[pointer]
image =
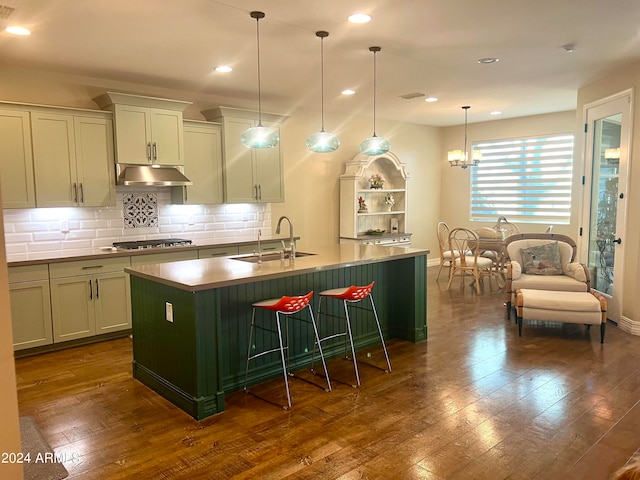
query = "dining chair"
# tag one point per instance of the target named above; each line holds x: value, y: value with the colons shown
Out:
x: 464, y: 244
x: 443, y: 243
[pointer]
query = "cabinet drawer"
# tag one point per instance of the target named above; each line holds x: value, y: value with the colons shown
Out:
x: 164, y: 257
x: 265, y: 247
x: 28, y: 273
x: 218, y: 251
x: 88, y: 267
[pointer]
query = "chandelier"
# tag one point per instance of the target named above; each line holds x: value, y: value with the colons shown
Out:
x: 460, y: 158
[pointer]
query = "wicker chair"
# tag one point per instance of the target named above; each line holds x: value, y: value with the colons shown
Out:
x: 573, y: 278
x: 443, y: 243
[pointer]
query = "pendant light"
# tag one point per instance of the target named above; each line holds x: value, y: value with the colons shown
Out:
x: 259, y: 137
x: 374, y: 145
x: 322, y: 142
x: 459, y: 158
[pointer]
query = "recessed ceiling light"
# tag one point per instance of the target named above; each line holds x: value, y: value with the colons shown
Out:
x: 488, y: 60
x: 223, y: 69
x: 360, y: 18
x: 348, y: 91
x: 431, y: 99
x: 496, y: 112
x: 569, y: 47
x: 16, y: 30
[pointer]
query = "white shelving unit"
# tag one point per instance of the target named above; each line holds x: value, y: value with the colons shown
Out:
x: 354, y: 184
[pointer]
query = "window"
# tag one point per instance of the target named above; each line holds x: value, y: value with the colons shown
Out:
x: 527, y: 180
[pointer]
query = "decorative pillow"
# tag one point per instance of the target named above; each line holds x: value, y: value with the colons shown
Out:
x: 575, y: 270
x: 542, y: 260
x: 516, y: 270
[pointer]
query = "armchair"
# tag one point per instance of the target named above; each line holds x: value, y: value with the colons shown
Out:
x: 531, y: 265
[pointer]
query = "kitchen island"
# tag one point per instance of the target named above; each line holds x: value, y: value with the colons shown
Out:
x: 191, y: 318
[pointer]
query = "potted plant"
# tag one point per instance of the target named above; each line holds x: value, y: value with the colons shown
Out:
x: 376, y: 181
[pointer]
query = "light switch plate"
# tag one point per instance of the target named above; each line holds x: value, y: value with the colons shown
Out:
x: 169, y: 311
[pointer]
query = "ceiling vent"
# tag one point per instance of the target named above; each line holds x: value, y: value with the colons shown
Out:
x: 5, y: 11
x: 409, y: 96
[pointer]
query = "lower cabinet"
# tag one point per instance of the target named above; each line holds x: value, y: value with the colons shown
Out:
x: 30, y: 306
x: 89, y: 298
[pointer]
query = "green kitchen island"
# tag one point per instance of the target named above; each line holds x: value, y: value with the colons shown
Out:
x: 191, y: 318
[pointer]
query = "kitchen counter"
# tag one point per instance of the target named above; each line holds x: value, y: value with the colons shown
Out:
x: 195, y: 275
x: 38, y: 258
x: 191, y: 318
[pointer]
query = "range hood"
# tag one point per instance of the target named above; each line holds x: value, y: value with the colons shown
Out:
x: 151, y: 175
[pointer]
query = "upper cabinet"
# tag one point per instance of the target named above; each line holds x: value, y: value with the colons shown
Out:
x: 202, y: 164
x: 16, y: 162
x: 73, y: 159
x: 374, y: 212
x: 148, y: 130
x: 250, y: 175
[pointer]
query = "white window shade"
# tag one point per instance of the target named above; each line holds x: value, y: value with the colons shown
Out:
x: 527, y: 180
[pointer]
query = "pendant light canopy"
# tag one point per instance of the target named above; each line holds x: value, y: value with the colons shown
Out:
x: 460, y: 158
x: 374, y: 145
x: 322, y: 142
x: 259, y: 136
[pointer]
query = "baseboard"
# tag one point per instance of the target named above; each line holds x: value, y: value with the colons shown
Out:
x: 629, y: 326
x: 433, y: 262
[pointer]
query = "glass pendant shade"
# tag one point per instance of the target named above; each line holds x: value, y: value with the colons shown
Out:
x: 259, y: 137
x: 374, y: 146
x: 322, y: 142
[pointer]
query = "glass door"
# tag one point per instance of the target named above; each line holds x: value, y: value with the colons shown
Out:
x: 606, y: 177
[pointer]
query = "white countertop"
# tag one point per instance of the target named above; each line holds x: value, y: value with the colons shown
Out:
x: 205, y: 274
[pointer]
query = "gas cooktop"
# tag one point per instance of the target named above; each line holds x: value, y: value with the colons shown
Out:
x: 158, y: 243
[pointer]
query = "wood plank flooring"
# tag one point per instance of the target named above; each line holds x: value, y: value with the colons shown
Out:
x: 474, y: 401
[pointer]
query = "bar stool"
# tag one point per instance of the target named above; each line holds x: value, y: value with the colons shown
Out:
x: 283, y: 306
x: 350, y: 295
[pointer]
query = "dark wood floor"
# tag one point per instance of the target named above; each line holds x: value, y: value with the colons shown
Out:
x: 474, y: 401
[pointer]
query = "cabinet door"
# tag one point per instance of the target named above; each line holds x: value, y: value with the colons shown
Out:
x: 95, y: 164
x: 167, y: 137
x: 30, y: 314
x: 268, y: 173
x: 202, y: 165
x: 238, y: 164
x: 54, y: 159
x: 16, y: 160
x: 133, y: 134
x: 112, y: 302
x: 72, y: 308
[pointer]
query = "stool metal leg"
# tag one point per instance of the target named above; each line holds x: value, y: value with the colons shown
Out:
x: 284, y: 363
x: 317, y: 340
x: 353, y: 350
x: 384, y: 347
x: 246, y: 371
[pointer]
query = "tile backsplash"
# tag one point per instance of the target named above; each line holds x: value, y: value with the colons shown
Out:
x: 139, y: 214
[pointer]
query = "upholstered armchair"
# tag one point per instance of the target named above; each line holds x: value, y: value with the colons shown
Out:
x: 543, y: 261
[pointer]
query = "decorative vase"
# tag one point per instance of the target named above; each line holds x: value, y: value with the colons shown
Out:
x: 377, y: 186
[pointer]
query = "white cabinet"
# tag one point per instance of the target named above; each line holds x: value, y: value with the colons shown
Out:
x: 384, y: 220
x: 89, y: 297
x: 148, y: 130
x: 16, y: 161
x: 73, y: 159
x: 250, y: 175
x: 30, y: 306
x: 202, y: 164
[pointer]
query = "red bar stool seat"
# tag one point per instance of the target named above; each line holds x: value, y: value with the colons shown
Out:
x: 349, y: 296
x: 283, y: 306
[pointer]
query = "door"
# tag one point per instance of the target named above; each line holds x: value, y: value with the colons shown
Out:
x: 16, y: 161
x: 167, y: 137
x: 604, y: 216
x: 112, y: 302
x: 72, y: 308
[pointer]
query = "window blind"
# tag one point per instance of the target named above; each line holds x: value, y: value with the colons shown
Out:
x: 526, y: 180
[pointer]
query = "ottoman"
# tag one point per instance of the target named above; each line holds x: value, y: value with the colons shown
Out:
x: 588, y: 308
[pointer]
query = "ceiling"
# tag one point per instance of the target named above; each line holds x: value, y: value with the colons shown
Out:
x: 429, y: 47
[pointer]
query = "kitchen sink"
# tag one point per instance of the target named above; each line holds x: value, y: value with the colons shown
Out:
x: 269, y: 257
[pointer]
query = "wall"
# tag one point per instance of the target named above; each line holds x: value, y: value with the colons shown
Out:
x: 10, y: 431
x: 456, y: 181
x: 624, y: 79
x: 39, y: 229
x: 311, y: 180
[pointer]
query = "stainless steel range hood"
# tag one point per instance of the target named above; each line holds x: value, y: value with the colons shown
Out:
x: 151, y: 175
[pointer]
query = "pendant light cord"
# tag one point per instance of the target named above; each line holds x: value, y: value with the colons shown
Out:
x: 321, y: 83
x: 374, y: 93
x: 258, y: 16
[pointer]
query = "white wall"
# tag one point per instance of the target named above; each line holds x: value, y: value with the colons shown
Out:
x: 456, y: 181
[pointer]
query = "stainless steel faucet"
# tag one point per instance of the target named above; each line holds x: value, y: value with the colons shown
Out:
x: 292, y: 242
x: 259, y: 247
